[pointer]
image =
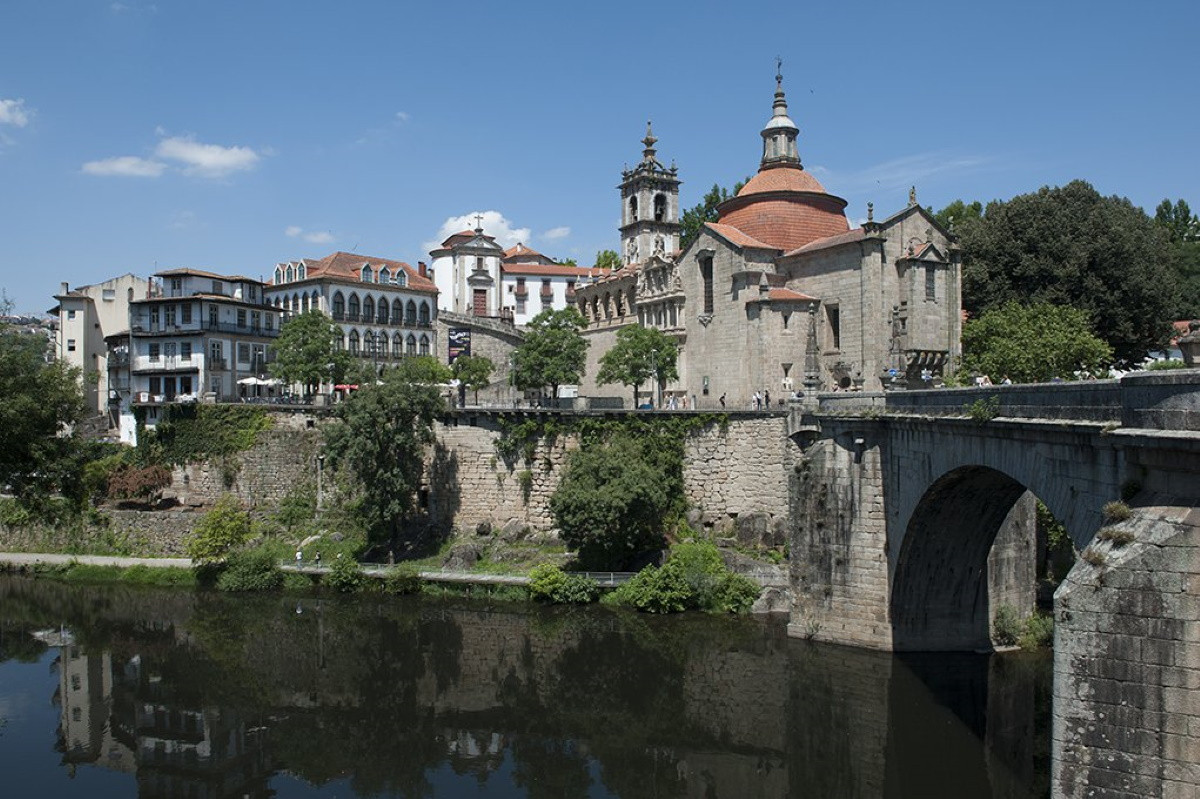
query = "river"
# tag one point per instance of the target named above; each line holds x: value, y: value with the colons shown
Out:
x: 120, y: 692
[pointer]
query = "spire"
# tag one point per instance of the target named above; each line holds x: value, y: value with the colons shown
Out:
x: 779, y: 136
x: 649, y: 152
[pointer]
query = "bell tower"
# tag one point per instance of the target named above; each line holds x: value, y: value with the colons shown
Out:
x: 649, y: 207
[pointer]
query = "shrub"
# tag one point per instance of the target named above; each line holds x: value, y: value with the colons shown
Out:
x: 250, y: 570
x: 127, y: 481
x: 693, y: 578
x: 1006, y: 626
x: 1119, y: 536
x: 1038, y: 632
x: 983, y: 410
x: 655, y: 590
x: 344, y: 576
x: 1116, y: 511
x: 400, y: 581
x: 549, y: 583
x: 1093, y: 556
x: 222, y: 529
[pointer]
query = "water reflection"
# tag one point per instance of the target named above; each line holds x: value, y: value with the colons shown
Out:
x: 212, y: 696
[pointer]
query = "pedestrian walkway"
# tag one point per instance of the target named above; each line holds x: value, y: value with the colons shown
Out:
x: 34, y: 558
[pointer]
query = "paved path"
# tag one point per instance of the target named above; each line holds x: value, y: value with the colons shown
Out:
x: 31, y: 558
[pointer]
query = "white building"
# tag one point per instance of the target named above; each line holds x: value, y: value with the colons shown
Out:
x: 532, y: 283
x: 386, y: 309
x: 86, y: 316
x: 196, y: 336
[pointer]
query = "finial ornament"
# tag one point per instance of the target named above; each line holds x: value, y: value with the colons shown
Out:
x: 478, y: 223
x: 870, y: 212
x: 778, y: 71
x: 912, y: 195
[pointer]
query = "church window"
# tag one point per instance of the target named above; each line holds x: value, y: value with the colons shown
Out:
x: 339, y: 306
x: 706, y: 276
x: 930, y: 282
x: 834, y: 316
x: 633, y: 209
x: 660, y: 207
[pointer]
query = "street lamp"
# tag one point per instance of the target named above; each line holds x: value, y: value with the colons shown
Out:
x: 320, y: 480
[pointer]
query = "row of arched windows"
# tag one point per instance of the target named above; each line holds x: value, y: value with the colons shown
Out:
x: 380, y: 311
x: 297, y: 302
x: 384, y: 275
x: 612, y: 304
x: 377, y: 344
x: 288, y: 273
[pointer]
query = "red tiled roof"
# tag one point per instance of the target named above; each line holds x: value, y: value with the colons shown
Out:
x: 786, y: 207
x: 830, y: 241
x: 786, y: 295
x: 556, y: 270
x: 348, y: 265
x: 737, y: 237
x: 788, y: 178
x: 465, y: 235
x: 203, y: 273
x: 519, y: 253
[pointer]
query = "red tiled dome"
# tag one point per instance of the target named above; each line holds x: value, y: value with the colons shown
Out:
x: 785, y: 207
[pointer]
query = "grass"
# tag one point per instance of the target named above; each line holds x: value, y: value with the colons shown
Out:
x: 86, y: 573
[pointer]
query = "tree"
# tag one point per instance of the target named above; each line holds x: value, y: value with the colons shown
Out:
x: 474, y: 372
x: 706, y: 211
x: 1033, y: 343
x: 382, y: 437
x: 1071, y: 246
x: 306, y: 351
x: 640, y: 353
x: 41, y: 403
x: 1183, y: 228
x: 958, y: 213
x: 608, y: 259
x: 615, y: 499
x: 223, y: 529
x: 554, y: 352
x: 567, y: 262
x: 1177, y: 220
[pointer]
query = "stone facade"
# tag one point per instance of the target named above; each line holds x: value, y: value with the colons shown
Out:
x: 494, y: 339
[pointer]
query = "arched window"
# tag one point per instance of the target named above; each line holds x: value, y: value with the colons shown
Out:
x: 607, y: 306
x: 410, y: 314
x: 339, y: 306
x: 278, y: 276
x: 411, y: 344
x: 365, y: 274
x: 397, y: 311
x: 633, y: 209
x: 300, y: 273
x: 354, y: 342
x: 382, y: 341
x: 424, y: 344
x: 314, y: 301
x: 296, y: 302
x: 660, y: 207
x: 290, y: 275
x: 368, y: 311
x: 398, y: 345
x: 620, y: 305
x: 595, y: 309
x: 385, y: 275
x: 352, y: 310
x: 400, y: 279
x: 382, y: 317
x: 339, y: 343
x: 424, y: 314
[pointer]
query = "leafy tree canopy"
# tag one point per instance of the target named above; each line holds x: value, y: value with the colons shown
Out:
x: 640, y: 354
x: 474, y: 372
x: 1183, y: 228
x: 1178, y: 220
x: 1033, y: 343
x: 568, y: 262
x: 222, y: 530
x: 958, y: 213
x: 306, y: 351
x: 41, y: 401
x: 705, y: 211
x: 1070, y: 246
x: 608, y: 259
x: 554, y: 352
x: 616, y: 499
x: 382, y: 439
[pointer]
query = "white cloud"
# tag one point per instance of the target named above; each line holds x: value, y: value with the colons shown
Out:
x: 493, y: 224
x: 312, y: 236
x: 129, y: 166
x: 402, y: 117
x: 553, y: 234
x: 206, y: 160
x: 13, y: 112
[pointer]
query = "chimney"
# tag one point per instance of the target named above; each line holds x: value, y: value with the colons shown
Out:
x: 422, y: 269
x: 64, y: 288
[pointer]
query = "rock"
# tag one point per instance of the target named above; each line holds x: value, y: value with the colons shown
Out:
x: 694, y: 518
x: 752, y: 528
x: 514, y: 530
x: 462, y: 557
x: 483, y: 529
x: 772, y: 600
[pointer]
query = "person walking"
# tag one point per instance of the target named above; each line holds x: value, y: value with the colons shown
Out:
x: 299, y: 557
x: 722, y: 400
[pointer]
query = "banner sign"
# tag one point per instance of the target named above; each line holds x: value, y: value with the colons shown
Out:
x: 460, y: 342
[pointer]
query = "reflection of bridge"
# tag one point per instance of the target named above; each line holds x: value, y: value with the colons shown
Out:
x: 901, y: 498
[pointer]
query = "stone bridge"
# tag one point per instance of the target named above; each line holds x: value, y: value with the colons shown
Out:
x: 913, y: 517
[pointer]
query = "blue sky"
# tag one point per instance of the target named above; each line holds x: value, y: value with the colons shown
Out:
x: 230, y: 135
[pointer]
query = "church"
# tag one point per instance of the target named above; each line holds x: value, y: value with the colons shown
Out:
x: 780, y: 294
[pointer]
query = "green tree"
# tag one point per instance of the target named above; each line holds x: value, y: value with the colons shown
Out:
x: 381, y: 441
x: 222, y: 530
x: 1177, y: 219
x: 958, y: 213
x: 567, y: 262
x: 474, y: 372
x: 694, y: 218
x: 306, y: 351
x: 608, y: 259
x: 616, y: 499
x: 1035, y: 343
x: 1071, y: 246
x: 1182, y: 227
x: 40, y: 403
x: 640, y: 354
x: 554, y: 352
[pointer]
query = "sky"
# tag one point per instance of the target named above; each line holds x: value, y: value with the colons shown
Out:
x: 231, y: 135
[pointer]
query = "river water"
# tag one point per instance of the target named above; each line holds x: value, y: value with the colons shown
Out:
x: 123, y: 692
